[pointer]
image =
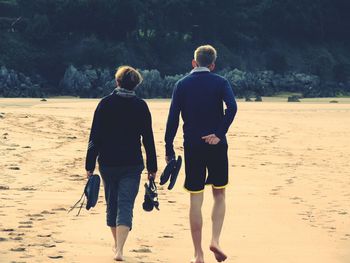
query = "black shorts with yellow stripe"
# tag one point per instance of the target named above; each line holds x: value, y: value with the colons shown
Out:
x: 206, y: 165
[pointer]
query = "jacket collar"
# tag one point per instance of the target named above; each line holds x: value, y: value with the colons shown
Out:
x: 124, y: 92
x: 200, y: 69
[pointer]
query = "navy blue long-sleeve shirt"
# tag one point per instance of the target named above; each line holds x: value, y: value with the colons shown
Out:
x: 115, y: 137
x: 199, y: 98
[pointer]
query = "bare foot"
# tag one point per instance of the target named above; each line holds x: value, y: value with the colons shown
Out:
x: 118, y: 257
x: 198, y: 259
x: 114, y: 249
x: 218, y: 253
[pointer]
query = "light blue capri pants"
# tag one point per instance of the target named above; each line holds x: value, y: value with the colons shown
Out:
x: 121, y: 186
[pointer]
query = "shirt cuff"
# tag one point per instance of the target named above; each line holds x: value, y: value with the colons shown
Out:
x: 169, y: 151
x: 220, y: 135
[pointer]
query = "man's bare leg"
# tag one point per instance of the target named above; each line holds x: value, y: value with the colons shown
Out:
x: 114, y: 233
x: 218, y: 215
x: 196, y: 223
x: 122, y: 235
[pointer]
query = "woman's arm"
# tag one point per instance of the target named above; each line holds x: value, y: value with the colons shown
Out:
x: 93, y: 150
x: 148, y: 141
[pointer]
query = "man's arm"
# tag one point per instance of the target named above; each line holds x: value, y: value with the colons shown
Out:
x: 93, y: 150
x: 172, y: 123
x: 230, y: 112
x: 148, y: 143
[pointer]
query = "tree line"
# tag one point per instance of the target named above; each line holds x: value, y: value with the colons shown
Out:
x: 46, y: 36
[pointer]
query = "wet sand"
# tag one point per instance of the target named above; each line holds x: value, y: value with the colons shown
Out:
x: 288, y: 198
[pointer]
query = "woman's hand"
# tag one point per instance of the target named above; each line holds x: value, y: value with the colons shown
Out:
x: 152, y: 175
x: 169, y: 158
x: 89, y: 173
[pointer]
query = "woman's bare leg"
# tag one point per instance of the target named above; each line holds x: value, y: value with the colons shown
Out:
x: 122, y: 235
x: 114, y: 233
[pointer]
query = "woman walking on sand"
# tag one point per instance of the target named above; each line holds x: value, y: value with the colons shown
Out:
x: 120, y: 121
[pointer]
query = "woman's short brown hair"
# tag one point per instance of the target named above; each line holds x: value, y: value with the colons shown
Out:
x: 128, y: 78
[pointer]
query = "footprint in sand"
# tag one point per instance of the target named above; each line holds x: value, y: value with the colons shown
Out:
x: 296, y: 200
x: 44, y: 235
x: 18, y: 249
x: 34, y: 215
x: 27, y: 188
x: 76, y: 177
x: 2, y: 239
x: 26, y: 222
x: 48, y: 245
x: 59, y: 209
x: 166, y: 236
x: 16, y: 234
x: 275, y: 191
x: 16, y: 238
x: 7, y: 230
x: 290, y: 181
x: 4, y: 187
x: 45, y: 212
x: 16, y: 168
x: 37, y: 218
x: 55, y: 256
x: 141, y: 250
x: 25, y: 226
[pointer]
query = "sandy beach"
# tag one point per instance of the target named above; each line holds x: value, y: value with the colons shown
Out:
x: 288, y: 199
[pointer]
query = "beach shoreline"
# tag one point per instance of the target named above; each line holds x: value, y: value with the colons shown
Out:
x: 288, y: 198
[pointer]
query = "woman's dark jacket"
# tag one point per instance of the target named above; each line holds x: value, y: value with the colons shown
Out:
x: 119, y: 124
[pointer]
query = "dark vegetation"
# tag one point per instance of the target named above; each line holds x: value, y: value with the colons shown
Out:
x: 274, y: 45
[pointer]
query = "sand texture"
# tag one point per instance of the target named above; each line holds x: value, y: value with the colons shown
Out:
x: 288, y: 199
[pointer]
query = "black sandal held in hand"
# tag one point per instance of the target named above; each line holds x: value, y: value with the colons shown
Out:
x: 151, y: 196
x: 91, y: 191
x: 171, y: 172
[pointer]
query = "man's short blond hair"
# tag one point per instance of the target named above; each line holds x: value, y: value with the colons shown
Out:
x: 205, y: 55
x: 128, y: 78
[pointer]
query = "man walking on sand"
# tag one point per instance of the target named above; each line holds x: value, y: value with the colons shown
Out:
x: 199, y: 98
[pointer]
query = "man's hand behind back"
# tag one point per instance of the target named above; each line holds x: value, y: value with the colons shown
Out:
x: 211, y: 139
